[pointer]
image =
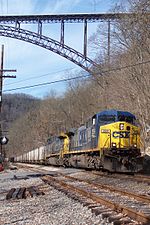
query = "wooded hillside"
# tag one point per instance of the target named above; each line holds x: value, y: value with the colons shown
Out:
x: 15, y: 106
x: 121, y: 82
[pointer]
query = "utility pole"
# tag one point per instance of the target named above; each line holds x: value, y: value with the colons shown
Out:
x: 2, y: 71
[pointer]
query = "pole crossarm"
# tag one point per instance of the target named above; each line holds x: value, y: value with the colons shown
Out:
x: 5, y: 70
x: 49, y: 44
x: 8, y: 76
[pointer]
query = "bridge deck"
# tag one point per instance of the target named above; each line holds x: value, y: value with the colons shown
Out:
x: 70, y: 18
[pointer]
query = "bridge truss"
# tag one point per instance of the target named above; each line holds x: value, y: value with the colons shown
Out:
x: 10, y: 26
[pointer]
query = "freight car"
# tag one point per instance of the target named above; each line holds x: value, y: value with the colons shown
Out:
x: 34, y: 156
x: 109, y: 140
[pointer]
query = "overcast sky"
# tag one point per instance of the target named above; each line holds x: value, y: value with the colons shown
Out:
x: 32, y: 61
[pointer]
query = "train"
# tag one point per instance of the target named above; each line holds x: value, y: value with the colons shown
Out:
x: 108, y: 141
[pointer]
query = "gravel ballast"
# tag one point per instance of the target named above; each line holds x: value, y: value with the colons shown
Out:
x: 53, y: 208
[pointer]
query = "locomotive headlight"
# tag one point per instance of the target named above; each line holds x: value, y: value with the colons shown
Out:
x: 114, y: 145
x: 121, y: 126
x: 135, y: 145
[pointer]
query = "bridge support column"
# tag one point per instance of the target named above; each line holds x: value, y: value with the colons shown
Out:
x: 17, y: 24
x: 85, y: 38
x: 62, y: 33
x: 39, y: 27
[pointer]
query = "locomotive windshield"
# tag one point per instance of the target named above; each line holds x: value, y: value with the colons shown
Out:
x: 106, y: 119
x: 128, y: 119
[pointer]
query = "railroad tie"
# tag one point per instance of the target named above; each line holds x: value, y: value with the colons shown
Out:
x: 101, y: 210
x: 92, y: 206
x: 38, y: 191
x: 115, y: 217
x: 86, y: 203
x: 34, y: 191
x: 9, y: 194
x: 15, y: 194
x: 124, y: 220
x: 21, y: 193
x: 107, y: 214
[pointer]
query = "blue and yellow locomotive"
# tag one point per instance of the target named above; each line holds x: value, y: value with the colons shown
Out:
x: 110, y: 140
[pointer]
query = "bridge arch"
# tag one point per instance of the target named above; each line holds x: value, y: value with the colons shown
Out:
x: 49, y: 44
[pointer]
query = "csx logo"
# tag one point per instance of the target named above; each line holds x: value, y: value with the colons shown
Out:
x: 121, y: 134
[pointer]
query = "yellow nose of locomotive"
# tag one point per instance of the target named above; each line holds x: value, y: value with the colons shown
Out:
x: 119, y: 136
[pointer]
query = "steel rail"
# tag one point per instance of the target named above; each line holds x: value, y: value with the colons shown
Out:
x: 110, y: 188
x: 138, y: 216
x: 142, y: 178
x: 137, y: 178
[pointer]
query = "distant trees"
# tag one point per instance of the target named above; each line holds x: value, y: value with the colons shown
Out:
x: 15, y: 106
x: 14, y: 109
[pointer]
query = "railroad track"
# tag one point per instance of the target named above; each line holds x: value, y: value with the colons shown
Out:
x: 136, y: 177
x: 142, y: 178
x: 113, y: 189
x: 115, y: 182
x: 118, y: 206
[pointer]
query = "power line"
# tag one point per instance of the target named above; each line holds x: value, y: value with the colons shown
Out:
x: 43, y: 75
x: 127, y: 66
x: 77, y: 77
x: 47, y: 83
x: 34, y: 77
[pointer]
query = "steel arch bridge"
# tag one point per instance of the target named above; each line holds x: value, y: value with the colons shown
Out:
x: 13, y: 30
x: 48, y: 43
